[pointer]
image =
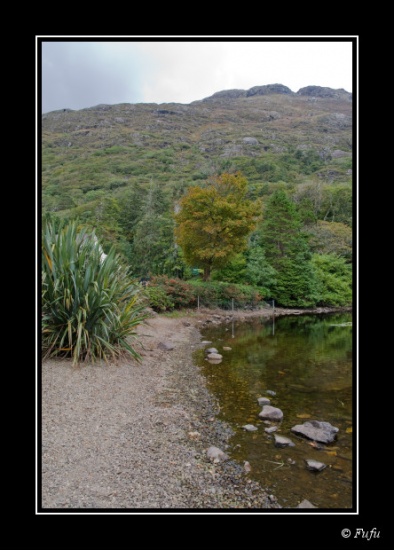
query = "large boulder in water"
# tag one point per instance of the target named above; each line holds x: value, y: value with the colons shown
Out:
x: 323, y: 432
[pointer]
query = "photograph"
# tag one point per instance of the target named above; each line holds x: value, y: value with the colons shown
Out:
x: 198, y: 284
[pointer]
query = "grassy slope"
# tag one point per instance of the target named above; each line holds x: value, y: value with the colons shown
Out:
x: 101, y: 151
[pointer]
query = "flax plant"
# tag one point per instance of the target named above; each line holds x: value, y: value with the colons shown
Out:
x: 90, y: 306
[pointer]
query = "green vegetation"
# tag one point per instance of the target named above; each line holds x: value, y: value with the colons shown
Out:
x: 287, y: 251
x: 90, y: 307
x: 166, y: 294
x: 124, y: 170
x: 335, y: 276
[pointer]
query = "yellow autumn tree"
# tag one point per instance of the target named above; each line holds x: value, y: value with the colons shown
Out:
x: 214, y: 222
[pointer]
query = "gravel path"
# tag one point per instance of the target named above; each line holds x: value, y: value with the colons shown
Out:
x: 124, y: 435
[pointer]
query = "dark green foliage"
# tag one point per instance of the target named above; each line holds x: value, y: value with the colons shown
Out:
x: 281, y: 230
x: 250, y: 268
x: 296, y: 283
x: 90, y: 306
x: 287, y: 251
x: 149, y: 229
x: 234, y: 272
x: 309, y: 160
x: 152, y: 244
x: 335, y: 276
x: 258, y: 271
x: 131, y: 210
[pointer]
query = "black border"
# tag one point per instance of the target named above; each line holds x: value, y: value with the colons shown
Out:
x: 322, y: 528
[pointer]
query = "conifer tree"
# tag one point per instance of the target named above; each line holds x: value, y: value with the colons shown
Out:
x: 287, y: 251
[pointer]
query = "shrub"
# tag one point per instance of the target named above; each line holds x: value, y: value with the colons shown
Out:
x: 209, y: 293
x: 179, y: 292
x: 90, y: 306
x: 165, y: 293
x: 158, y: 299
x: 219, y: 294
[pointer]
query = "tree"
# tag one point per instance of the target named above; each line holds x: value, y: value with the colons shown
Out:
x: 258, y: 271
x: 336, y: 279
x: 233, y: 272
x: 214, y: 222
x: 149, y: 229
x: 287, y: 251
x: 337, y: 205
x: 331, y: 238
x: 131, y: 207
x: 153, y: 244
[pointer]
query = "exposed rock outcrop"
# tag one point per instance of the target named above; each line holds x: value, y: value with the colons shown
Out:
x: 268, y: 89
x: 322, y: 91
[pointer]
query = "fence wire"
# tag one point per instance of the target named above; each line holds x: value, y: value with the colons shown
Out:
x: 232, y: 304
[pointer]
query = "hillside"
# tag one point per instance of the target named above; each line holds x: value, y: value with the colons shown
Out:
x: 113, y: 165
x: 108, y: 147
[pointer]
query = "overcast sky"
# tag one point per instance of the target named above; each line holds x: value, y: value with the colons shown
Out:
x: 78, y: 74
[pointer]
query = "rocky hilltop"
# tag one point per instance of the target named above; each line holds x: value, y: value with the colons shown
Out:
x: 270, y: 89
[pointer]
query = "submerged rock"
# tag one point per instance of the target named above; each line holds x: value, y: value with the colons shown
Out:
x: 214, y: 357
x: 316, y: 430
x: 281, y: 441
x: 249, y: 428
x: 314, y: 465
x: 271, y: 429
x: 271, y: 392
x: 263, y: 401
x: 271, y: 413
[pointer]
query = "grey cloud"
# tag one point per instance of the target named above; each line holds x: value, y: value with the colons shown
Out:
x: 78, y: 75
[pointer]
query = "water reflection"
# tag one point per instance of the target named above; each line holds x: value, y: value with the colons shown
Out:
x: 307, y: 361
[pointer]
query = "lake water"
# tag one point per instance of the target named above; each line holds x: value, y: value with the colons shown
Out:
x: 307, y: 361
